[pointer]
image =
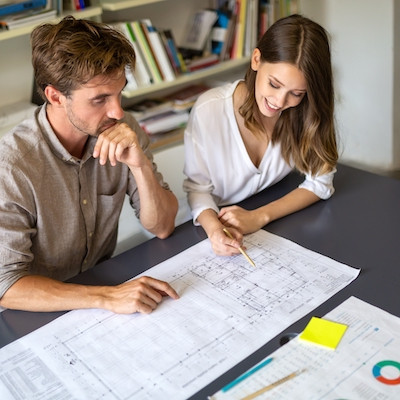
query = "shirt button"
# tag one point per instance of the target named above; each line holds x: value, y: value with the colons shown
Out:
x: 84, y: 201
x: 90, y: 234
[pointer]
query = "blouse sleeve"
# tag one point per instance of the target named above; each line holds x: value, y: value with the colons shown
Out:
x: 321, y: 185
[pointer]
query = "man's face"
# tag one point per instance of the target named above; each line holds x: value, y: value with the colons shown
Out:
x: 96, y: 106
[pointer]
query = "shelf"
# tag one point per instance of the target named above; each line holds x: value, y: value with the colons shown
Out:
x: 163, y: 140
x: 117, y: 5
x: 25, y: 30
x: 226, y: 66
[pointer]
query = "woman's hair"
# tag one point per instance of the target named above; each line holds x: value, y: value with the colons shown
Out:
x: 306, y: 132
x: 72, y: 52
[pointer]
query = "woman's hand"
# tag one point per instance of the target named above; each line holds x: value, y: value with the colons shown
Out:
x: 222, y: 245
x: 242, y: 220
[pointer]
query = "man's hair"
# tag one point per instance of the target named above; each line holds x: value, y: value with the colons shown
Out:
x: 69, y: 54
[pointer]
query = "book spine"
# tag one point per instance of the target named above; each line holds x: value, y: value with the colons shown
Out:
x: 172, y: 57
x: 141, y: 72
x: 144, y: 46
x: 250, y: 38
x: 159, y: 51
x: 142, y: 76
x: 174, y: 49
x: 241, y: 29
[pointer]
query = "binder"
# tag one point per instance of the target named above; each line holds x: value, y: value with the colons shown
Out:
x: 14, y: 8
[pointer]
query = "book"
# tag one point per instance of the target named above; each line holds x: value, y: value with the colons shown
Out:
x: 146, y: 51
x: 131, y: 82
x: 198, y: 30
x: 141, y: 71
x: 172, y: 56
x: 165, y: 122
x: 180, y: 100
x: 183, y: 99
x: 26, y: 18
x: 228, y: 42
x: 158, y: 50
x: 202, y: 62
x: 240, y: 29
x: 149, y: 108
x: 263, y: 17
x: 14, y: 7
x: 219, y: 31
x: 251, y: 28
x: 177, y: 55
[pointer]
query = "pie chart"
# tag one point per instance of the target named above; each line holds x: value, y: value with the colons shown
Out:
x: 379, y: 372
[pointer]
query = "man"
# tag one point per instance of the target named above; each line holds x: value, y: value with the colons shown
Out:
x: 65, y: 172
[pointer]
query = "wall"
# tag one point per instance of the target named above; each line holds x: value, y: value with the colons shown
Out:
x: 365, y: 52
x: 16, y: 72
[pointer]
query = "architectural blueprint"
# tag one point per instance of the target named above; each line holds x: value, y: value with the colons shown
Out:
x: 226, y: 311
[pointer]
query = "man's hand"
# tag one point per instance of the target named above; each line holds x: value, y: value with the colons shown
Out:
x: 45, y: 294
x: 138, y: 295
x: 119, y: 144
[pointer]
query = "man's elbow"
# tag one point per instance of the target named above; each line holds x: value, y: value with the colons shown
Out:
x: 166, y: 227
x: 166, y: 233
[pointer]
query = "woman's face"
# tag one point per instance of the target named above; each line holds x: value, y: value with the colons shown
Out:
x: 278, y: 86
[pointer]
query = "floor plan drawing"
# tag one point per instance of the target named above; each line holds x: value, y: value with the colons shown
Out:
x: 227, y: 310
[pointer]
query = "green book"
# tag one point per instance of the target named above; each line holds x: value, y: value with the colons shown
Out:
x: 146, y: 50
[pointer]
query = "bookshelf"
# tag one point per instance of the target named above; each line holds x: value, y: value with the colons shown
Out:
x: 89, y: 12
x: 164, y: 14
x: 210, y: 72
x: 124, y: 4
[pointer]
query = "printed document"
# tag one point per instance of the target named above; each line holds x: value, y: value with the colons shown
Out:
x: 364, y: 366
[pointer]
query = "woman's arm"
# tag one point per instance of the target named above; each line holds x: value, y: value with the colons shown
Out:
x: 250, y: 221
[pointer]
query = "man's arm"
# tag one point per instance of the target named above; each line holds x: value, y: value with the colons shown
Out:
x: 158, y: 206
x: 38, y: 293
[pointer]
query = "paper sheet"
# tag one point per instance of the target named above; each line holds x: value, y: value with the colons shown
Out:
x: 364, y: 366
x: 227, y: 310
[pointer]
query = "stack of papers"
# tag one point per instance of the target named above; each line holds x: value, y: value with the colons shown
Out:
x: 353, y: 353
x: 169, y: 113
x: 26, y: 18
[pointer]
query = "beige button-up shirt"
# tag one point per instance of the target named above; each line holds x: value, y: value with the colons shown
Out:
x: 58, y: 215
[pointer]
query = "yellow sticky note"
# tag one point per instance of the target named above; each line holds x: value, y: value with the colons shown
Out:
x: 323, y: 332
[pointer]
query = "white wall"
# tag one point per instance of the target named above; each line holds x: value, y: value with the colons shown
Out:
x: 363, y: 53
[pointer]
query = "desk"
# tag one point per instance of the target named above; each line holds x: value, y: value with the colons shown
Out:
x: 358, y: 226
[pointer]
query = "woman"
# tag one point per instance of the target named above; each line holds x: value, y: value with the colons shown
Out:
x: 248, y: 135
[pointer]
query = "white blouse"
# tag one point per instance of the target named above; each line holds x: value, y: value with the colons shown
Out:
x: 218, y: 168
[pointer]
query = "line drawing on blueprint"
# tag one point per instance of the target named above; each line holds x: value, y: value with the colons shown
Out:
x: 227, y: 310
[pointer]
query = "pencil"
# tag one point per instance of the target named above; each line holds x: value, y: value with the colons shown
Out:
x: 273, y: 385
x: 246, y: 375
x: 251, y: 262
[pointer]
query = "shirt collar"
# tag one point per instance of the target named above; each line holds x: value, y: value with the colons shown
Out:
x: 57, y: 148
